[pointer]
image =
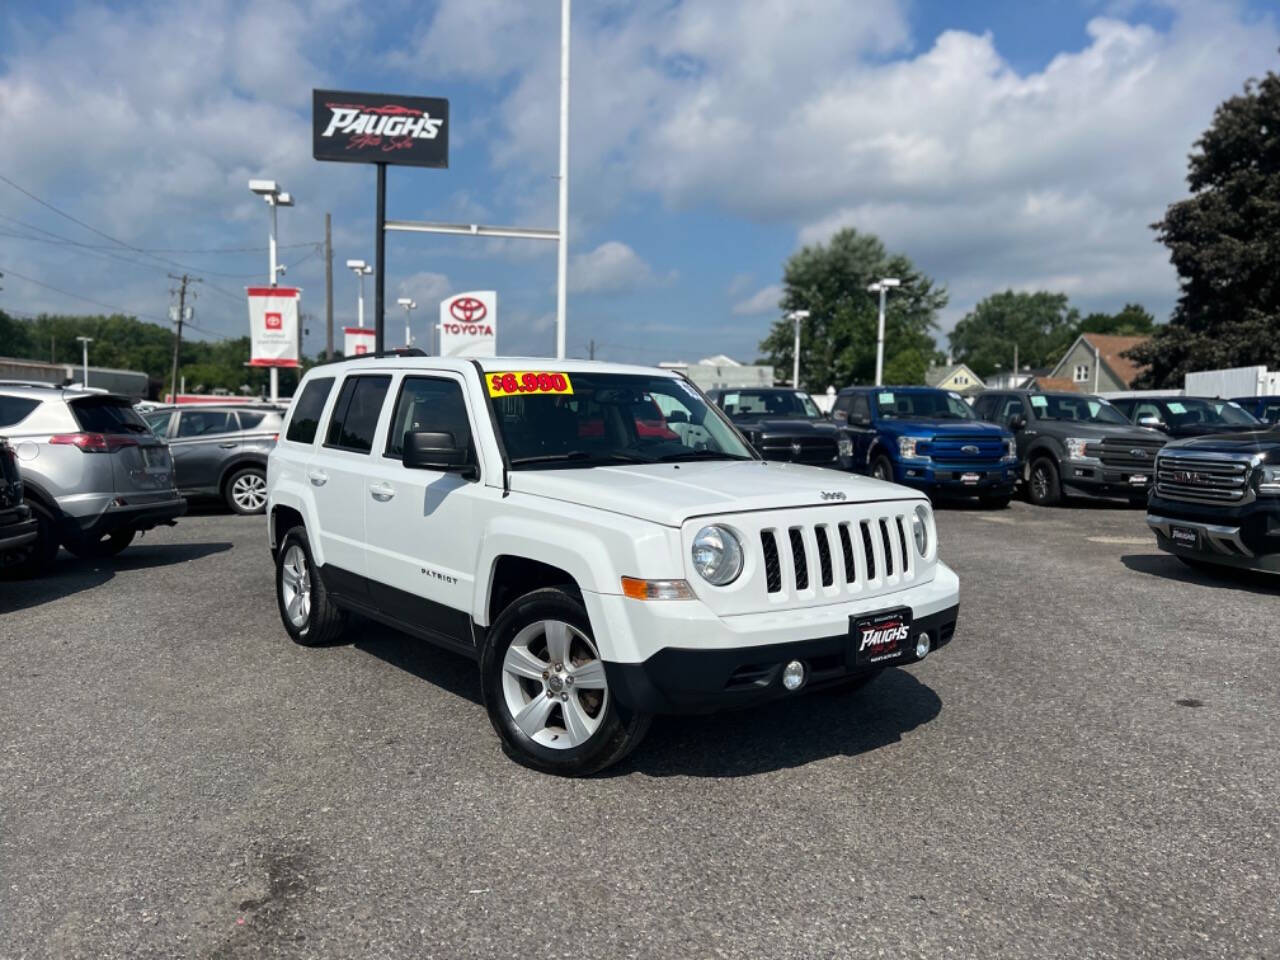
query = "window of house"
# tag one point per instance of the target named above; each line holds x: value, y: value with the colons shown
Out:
x: 1082, y: 373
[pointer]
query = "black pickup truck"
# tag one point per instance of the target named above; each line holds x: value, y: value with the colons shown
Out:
x: 783, y: 424
x: 1217, y: 500
x: 17, y: 527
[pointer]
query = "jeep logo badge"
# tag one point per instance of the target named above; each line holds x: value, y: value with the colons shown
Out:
x: 832, y: 495
x: 970, y: 449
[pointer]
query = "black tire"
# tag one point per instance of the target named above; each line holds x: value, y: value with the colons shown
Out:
x: 618, y: 730
x: 37, y: 557
x: 322, y: 622
x: 1044, y: 487
x: 995, y: 503
x: 245, y: 491
x: 103, y: 547
x: 882, y: 468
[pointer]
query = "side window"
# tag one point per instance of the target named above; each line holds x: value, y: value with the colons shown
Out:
x: 1271, y: 413
x: 1012, y: 408
x: 840, y: 411
x: 159, y: 422
x: 203, y: 423
x: 983, y: 407
x: 305, y: 418
x: 14, y: 410
x: 355, y: 415
x: 1124, y: 406
x: 249, y: 419
x: 1147, y: 410
x: 429, y: 405
x: 860, y: 412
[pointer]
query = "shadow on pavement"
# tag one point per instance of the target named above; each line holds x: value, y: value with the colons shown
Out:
x: 785, y: 733
x: 1171, y: 568
x: 443, y: 668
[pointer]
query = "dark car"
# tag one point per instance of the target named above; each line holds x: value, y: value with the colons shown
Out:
x: 221, y: 450
x: 782, y: 424
x: 929, y: 439
x: 1266, y: 409
x: 1074, y: 444
x: 1181, y: 417
x: 18, y: 528
x: 1217, y: 500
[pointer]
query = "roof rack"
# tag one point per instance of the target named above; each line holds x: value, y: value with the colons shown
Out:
x: 394, y: 352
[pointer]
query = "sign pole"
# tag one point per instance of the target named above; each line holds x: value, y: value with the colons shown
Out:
x: 562, y: 252
x: 380, y: 280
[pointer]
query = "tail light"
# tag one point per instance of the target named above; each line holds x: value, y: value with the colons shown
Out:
x: 95, y: 442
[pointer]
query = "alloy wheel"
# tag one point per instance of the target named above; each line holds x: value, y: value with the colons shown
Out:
x: 1040, y: 483
x: 295, y: 586
x: 249, y: 491
x: 554, y: 685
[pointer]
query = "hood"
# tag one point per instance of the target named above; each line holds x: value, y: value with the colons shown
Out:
x: 790, y: 426
x: 969, y: 428
x: 669, y: 493
x: 1126, y: 431
x: 1248, y: 441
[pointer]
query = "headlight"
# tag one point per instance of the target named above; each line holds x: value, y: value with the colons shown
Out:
x: 717, y: 555
x: 1269, y: 481
x: 1010, y: 450
x: 1076, y: 448
x: 844, y: 446
x: 907, y: 448
x: 920, y: 529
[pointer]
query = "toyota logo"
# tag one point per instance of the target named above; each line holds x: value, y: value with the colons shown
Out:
x: 970, y: 449
x: 1140, y: 453
x: 468, y: 309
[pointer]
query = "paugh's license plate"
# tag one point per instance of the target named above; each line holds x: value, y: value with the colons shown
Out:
x: 880, y: 637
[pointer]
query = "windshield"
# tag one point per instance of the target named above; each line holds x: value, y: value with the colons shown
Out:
x: 598, y: 419
x: 1190, y: 411
x: 741, y: 404
x: 1075, y: 408
x: 922, y: 405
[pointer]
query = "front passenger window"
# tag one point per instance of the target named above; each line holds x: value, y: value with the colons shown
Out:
x: 429, y: 405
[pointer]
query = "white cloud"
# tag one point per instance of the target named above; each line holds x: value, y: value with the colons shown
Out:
x: 759, y: 303
x: 612, y: 267
x: 427, y: 288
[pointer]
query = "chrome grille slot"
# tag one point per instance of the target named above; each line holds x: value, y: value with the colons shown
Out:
x: 772, y: 565
x: 1217, y: 479
x: 902, y: 542
x: 824, y: 554
x: 799, y: 558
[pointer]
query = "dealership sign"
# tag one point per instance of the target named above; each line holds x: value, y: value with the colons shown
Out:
x: 468, y: 324
x: 273, y: 326
x: 379, y: 128
x: 357, y: 341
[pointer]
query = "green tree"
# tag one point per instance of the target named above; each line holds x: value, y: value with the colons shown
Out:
x: 1224, y: 241
x: 1132, y: 321
x: 1041, y: 324
x: 15, y: 337
x: 838, y: 341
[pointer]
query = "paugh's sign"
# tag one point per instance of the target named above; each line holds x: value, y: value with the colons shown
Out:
x: 379, y: 128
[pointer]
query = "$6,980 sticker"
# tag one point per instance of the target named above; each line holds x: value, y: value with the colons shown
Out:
x: 517, y: 382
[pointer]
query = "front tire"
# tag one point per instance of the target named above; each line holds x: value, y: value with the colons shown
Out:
x: 882, y: 469
x: 35, y: 558
x: 103, y: 547
x: 306, y: 611
x: 246, y: 491
x: 1044, y: 488
x: 546, y: 691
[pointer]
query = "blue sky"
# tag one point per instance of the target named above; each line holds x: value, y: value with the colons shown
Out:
x: 1023, y: 145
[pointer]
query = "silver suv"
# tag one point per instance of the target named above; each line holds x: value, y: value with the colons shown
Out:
x: 93, y: 474
x: 220, y: 450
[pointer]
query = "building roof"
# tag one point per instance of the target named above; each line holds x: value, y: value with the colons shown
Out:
x: 1110, y: 347
x: 1054, y: 385
x: 937, y: 374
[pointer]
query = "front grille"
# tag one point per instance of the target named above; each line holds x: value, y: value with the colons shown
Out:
x: 1121, y: 454
x: 949, y: 449
x: 870, y: 550
x: 798, y: 449
x: 1211, y: 479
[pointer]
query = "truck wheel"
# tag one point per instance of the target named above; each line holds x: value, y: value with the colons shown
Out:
x: 36, y: 557
x: 309, y: 616
x: 545, y: 688
x: 246, y: 491
x: 882, y: 469
x: 1044, y: 488
x: 105, y: 546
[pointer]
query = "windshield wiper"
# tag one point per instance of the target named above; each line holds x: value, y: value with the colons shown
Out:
x: 699, y: 455
x: 574, y: 455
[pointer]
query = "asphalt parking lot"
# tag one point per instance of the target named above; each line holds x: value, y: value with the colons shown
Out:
x: 1090, y: 769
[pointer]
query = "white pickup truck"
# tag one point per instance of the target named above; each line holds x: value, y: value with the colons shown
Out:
x: 598, y: 537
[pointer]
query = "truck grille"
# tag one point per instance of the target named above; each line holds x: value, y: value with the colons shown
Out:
x: 949, y: 449
x: 1121, y: 454
x: 865, y: 548
x: 820, y: 450
x: 1220, y: 478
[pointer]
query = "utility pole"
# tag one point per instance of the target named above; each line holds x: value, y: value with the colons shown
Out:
x: 328, y: 290
x: 591, y: 350
x: 1014, y: 384
x: 181, y: 316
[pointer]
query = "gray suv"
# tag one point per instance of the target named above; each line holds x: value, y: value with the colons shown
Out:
x: 220, y: 450
x: 93, y: 475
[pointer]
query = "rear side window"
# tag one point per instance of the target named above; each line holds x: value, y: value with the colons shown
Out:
x: 202, y: 423
x: 306, y: 412
x: 107, y: 415
x: 15, y: 409
x: 249, y: 420
x: 355, y: 415
x: 428, y: 405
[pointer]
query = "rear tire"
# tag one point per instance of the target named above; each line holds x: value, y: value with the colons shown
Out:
x: 1044, y: 488
x: 246, y: 491
x: 36, y: 557
x: 103, y: 547
x: 546, y: 691
x: 308, y: 615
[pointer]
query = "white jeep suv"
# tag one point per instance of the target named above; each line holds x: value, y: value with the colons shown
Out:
x: 598, y: 537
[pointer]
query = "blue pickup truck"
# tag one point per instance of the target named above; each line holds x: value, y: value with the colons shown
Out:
x: 929, y: 439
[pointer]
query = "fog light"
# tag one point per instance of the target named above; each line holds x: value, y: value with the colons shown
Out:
x: 922, y: 646
x: 793, y: 675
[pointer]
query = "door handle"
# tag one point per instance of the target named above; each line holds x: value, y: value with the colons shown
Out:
x: 228, y: 446
x: 318, y: 478
x: 382, y: 492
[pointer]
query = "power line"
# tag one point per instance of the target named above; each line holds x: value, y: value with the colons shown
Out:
x: 208, y: 250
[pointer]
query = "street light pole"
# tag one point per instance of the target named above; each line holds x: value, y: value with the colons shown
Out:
x: 882, y: 287
x: 409, y: 307
x: 796, y: 316
x: 270, y: 191
x: 361, y: 270
x: 84, y: 343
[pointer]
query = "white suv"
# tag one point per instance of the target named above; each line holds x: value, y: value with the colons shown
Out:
x: 598, y: 537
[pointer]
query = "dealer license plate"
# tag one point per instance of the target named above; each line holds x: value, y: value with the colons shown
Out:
x: 970, y: 477
x: 1138, y: 480
x: 1185, y: 536
x: 880, y: 637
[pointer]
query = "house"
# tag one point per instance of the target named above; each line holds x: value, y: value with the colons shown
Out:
x: 953, y: 376
x: 1094, y: 363
x: 720, y: 372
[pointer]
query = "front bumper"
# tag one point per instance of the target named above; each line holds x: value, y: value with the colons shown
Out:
x: 1245, y: 536
x: 17, y: 528
x: 960, y: 480
x: 1083, y: 479
x: 139, y: 512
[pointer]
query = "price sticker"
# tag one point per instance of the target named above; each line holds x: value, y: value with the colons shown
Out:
x: 516, y: 383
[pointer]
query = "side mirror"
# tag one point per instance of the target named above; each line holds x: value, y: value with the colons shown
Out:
x: 1154, y: 422
x: 1017, y: 422
x: 436, y: 451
